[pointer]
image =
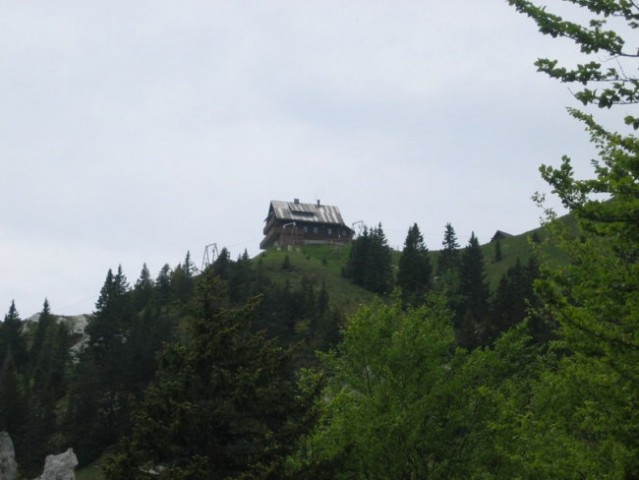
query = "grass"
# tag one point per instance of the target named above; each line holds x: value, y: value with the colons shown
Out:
x: 320, y: 264
x: 324, y: 263
x: 90, y: 472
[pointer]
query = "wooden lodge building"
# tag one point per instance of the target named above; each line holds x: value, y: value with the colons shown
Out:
x: 295, y: 223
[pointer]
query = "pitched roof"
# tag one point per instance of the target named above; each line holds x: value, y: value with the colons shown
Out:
x: 305, y: 212
x: 499, y: 235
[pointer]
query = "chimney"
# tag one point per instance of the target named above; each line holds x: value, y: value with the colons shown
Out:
x: 318, y: 202
x: 296, y: 200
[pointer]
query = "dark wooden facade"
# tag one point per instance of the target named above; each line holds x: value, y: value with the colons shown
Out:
x: 295, y: 223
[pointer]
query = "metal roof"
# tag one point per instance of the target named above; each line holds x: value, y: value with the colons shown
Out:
x: 305, y: 212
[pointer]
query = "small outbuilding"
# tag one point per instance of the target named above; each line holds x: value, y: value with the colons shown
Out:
x: 296, y: 223
x: 499, y: 235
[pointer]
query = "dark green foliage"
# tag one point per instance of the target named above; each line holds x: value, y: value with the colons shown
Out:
x: 47, y: 387
x: 162, y: 291
x: 222, y: 405
x: 513, y: 302
x: 11, y: 338
x: 142, y: 290
x: 369, y: 262
x: 499, y: 256
x: 414, y: 276
x: 44, y: 321
x: 448, y: 264
x: 106, y: 407
x: 472, y: 309
x: 13, y: 412
x: 449, y: 256
x: 182, y: 281
x: 222, y: 264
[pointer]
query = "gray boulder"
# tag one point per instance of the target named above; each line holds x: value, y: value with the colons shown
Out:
x: 8, y: 465
x: 60, y: 467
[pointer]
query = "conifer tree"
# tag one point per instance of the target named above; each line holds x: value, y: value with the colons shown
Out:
x: 47, y: 387
x: 379, y: 274
x: 449, y: 256
x: 11, y: 338
x: 143, y: 289
x: 242, y: 282
x: 182, y: 281
x: 513, y: 300
x: 414, y: 274
x: 163, y: 286
x: 448, y: 264
x: 44, y: 321
x: 221, y: 405
x: 369, y: 262
x: 474, y: 294
x: 357, y: 258
x: 107, y: 359
x: 13, y: 412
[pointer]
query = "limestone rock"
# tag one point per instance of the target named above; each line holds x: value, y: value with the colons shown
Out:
x: 60, y: 467
x: 8, y: 465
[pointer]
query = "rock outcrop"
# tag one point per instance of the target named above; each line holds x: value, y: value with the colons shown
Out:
x: 60, y: 467
x: 8, y: 465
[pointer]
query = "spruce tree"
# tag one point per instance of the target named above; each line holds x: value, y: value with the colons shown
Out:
x: 415, y: 272
x: 182, y: 281
x: 369, y: 261
x: 45, y: 319
x: 474, y: 296
x: 143, y: 289
x: 448, y: 264
x: 355, y: 268
x: 107, y: 359
x: 47, y: 387
x: 222, y: 405
x: 13, y: 412
x: 379, y: 273
x: 449, y: 256
x: 11, y: 338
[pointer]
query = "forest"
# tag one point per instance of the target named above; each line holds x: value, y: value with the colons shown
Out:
x: 374, y: 364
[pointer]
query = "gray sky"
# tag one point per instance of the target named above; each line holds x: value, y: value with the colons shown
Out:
x: 136, y: 131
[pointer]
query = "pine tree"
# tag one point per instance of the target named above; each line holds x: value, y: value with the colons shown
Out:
x: 369, y: 261
x: 355, y: 268
x: 449, y: 256
x: 47, y: 386
x: 11, y: 338
x: 13, y: 413
x: 448, y: 264
x: 221, y: 405
x: 44, y: 321
x: 107, y: 359
x: 162, y: 292
x: 379, y: 273
x: 414, y: 274
x: 474, y: 294
x: 513, y: 300
x: 143, y: 289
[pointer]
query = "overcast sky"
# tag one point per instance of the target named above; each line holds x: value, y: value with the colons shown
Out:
x: 136, y: 131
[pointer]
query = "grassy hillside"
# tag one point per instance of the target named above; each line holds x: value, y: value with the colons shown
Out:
x: 324, y: 263
x: 320, y: 263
